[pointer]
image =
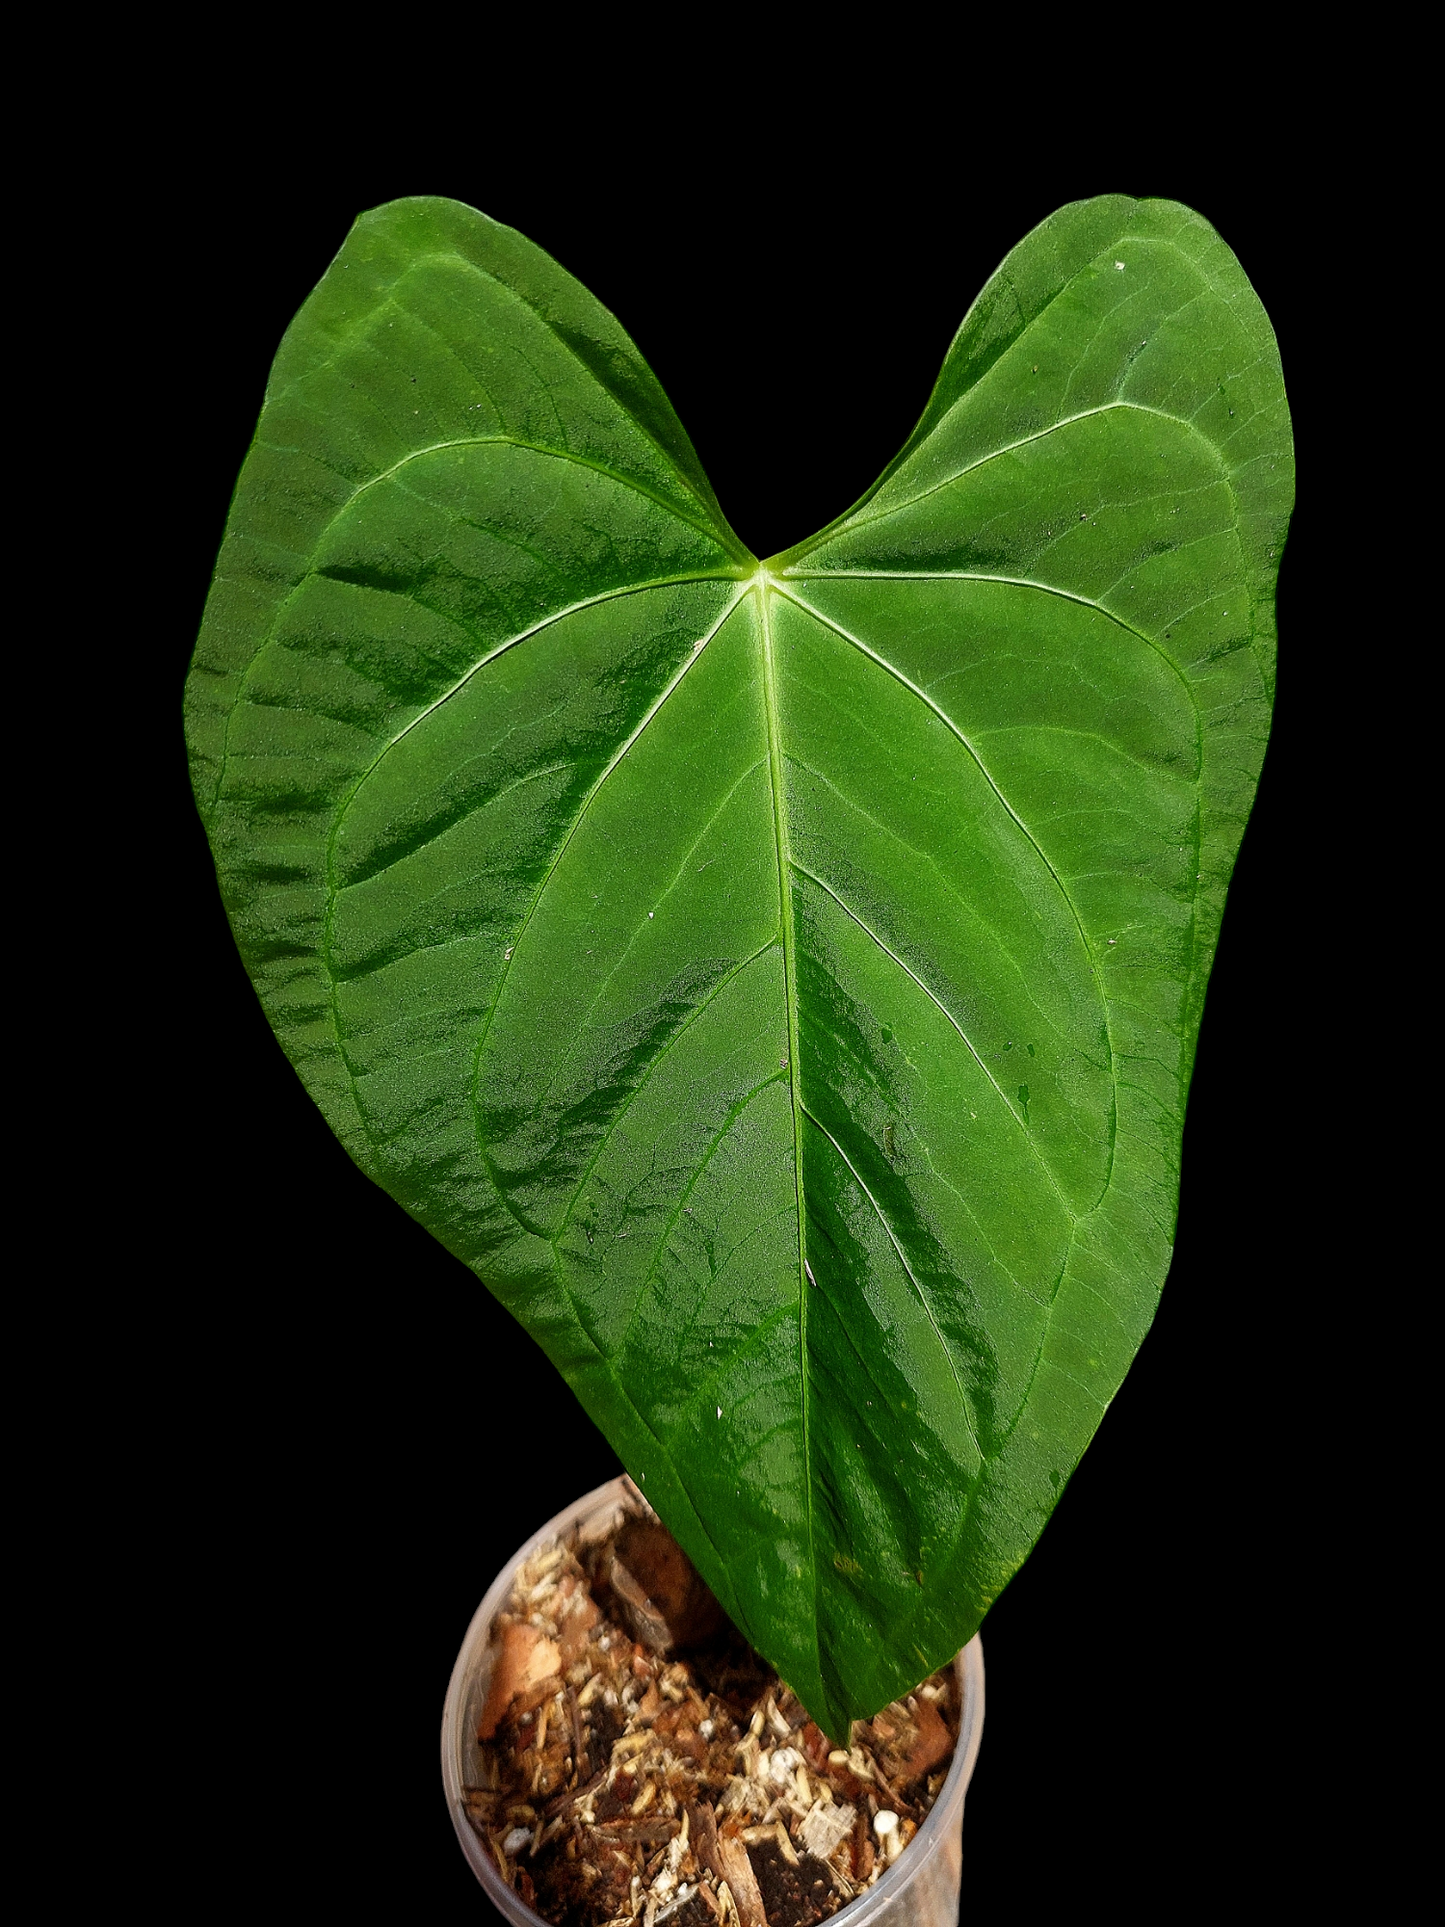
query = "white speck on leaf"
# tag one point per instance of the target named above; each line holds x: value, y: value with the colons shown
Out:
x: 719, y: 1411
x: 650, y: 913
x: 1120, y: 266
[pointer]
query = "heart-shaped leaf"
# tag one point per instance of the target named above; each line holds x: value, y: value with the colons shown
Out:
x: 779, y: 983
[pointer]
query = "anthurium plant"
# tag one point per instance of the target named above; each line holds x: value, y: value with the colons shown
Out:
x: 777, y: 980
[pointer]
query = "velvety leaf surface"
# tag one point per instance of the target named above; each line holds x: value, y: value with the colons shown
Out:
x: 778, y: 983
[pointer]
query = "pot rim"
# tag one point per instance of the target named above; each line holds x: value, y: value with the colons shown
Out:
x: 593, y: 1507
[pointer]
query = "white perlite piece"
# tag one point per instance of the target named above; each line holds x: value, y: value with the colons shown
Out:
x: 890, y: 1839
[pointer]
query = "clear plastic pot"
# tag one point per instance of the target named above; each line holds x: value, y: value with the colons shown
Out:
x: 920, y: 1887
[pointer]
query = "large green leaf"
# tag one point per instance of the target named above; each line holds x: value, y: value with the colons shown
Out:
x: 778, y: 983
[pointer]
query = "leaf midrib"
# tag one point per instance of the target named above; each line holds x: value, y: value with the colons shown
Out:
x: 763, y: 588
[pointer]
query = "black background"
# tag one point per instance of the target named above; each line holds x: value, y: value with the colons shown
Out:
x: 337, y: 1436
